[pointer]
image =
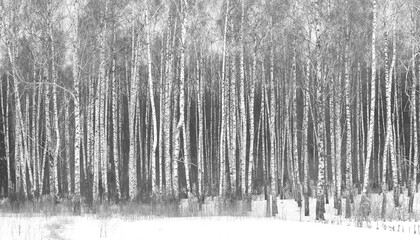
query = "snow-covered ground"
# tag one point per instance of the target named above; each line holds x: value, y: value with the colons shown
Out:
x: 201, y: 228
x: 290, y: 222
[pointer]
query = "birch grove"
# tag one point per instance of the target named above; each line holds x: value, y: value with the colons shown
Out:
x: 154, y: 101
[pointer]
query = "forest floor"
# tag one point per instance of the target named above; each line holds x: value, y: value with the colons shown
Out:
x: 212, y: 228
x: 290, y: 221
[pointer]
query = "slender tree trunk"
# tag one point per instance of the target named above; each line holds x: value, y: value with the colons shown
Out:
x: 34, y: 135
x: 47, y: 147
x: 167, y: 114
x: 391, y: 119
x: 5, y: 114
x: 176, y: 145
x: 295, y: 125
x: 349, y: 156
x: 222, y: 175
x: 103, y: 116
x: 77, y: 112
x: 29, y: 156
x: 395, y: 117
x: 42, y: 148
x: 152, y: 103
x: 320, y: 209
x: 96, y: 141
x: 132, y: 172
x: 306, y: 103
x: 272, y: 120
x: 244, y: 136
x: 162, y: 119
x: 55, y: 151
x: 252, y: 122
x: 381, y: 129
x: 232, y: 125
x: 289, y: 141
x: 359, y: 126
x: 372, y: 105
x: 262, y: 132
x: 115, y: 122
x: 20, y: 131
x: 201, y: 147
x: 336, y: 150
x: 67, y: 141
x: 388, y: 131
x: 183, y: 98
x: 27, y: 149
x: 413, y: 112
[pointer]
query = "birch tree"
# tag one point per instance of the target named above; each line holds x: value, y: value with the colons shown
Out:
x: 272, y: 121
x: 132, y: 172
x: 251, y: 120
x: 182, y: 97
x: 75, y: 70
x: 348, y: 97
x: 20, y: 131
x: 115, y: 122
x: 413, y: 110
x: 55, y: 153
x: 320, y: 209
x: 167, y: 110
x: 200, y: 105
x: 103, y: 113
x: 372, y: 104
x: 244, y: 136
x: 152, y: 102
x: 393, y: 118
x: 222, y: 174
x: 306, y: 103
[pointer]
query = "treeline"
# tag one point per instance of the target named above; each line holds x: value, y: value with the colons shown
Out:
x: 105, y: 100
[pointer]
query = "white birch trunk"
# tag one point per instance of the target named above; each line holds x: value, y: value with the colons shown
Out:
x: 413, y: 108
x: 319, y: 133
x: 67, y: 141
x: 47, y: 147
x: 175, y: 149
x: 394, y: 117
x: 5, y: 108
x: 161, y: 118
x: 338, y: 133
x: 372, y: 106
x: 244, y: 137
x: 55, y: 153
x: 77, y: 112
x: 182, y: 96
x: 222, y: 175
x: 115, y: 123
x: 251, y: 122
x: 200, y: 148
x: 272, y: 120
x: 167, y: 115
x: 20, y: 161
x: 28, y: 157
x: 132, y: 172
x: 349, y: 156
x: 232, y: 124
x: 152, y: 103
x: 35, y: 140
x: 306, y: 103
x: 293, y: 114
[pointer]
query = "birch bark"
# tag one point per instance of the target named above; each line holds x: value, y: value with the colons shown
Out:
x: 373, y: 104
x: 77, y: 112
x: 152, y: 103
x: 222, y: 175
x: 244, y: 136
